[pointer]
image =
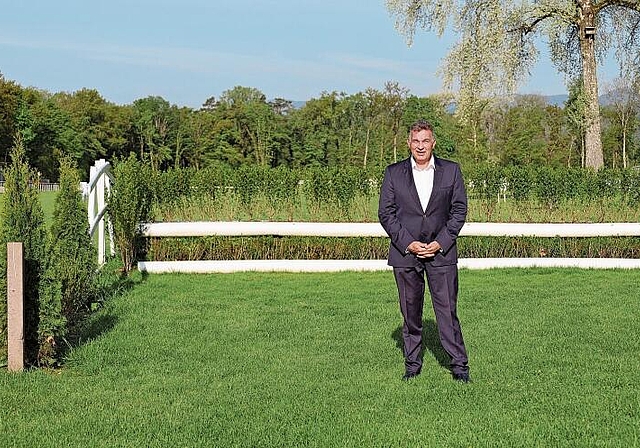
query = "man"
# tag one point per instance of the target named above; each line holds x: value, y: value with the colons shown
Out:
x: 423, y: 206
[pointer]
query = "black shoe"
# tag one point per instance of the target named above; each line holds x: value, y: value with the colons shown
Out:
x: 408, y: 375
x: 462, y: 377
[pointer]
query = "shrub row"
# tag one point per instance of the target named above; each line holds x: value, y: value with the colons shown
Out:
x: 329, y: 248
x: 59, y: 266
x: 551, y: 185
x: 341, y: 185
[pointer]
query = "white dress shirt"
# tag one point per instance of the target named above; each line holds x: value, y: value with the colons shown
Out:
x: 423, y: 178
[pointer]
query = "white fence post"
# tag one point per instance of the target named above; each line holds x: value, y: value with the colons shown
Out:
x: 100, y: 179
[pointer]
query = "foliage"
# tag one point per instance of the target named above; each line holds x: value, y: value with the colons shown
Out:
x: 22, y: 220
x: 72, y: 258
x: 433, y: 110
x: 129, y: 204
x: 10, y: 97
x: 365, y: 248
x: 498, y: 38
x: 366, y: 129
x: 341, y: 189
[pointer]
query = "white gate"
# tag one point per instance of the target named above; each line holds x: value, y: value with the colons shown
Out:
x: 100, y: 179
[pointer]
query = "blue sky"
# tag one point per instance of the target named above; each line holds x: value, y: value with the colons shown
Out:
x: 189, y: 50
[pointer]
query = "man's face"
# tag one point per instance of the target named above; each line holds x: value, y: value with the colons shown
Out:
x: 421, y: 144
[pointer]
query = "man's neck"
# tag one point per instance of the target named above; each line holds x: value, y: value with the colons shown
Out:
x: 423, y: 166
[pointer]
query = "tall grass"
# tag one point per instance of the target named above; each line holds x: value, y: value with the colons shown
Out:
x: 364, y: 208
x: 227, y: 206
x: 258, y: 359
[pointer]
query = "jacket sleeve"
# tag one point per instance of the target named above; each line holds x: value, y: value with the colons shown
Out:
x: 457, y: 213
x: 387, y: 214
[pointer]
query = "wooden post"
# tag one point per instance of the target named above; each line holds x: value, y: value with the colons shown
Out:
x: 15, y: 307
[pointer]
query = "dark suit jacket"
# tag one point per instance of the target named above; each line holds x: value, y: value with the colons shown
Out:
x: 403, y: 219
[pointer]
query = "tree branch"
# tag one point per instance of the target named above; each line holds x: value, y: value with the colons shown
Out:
x: 526, y: 28
x: 631, y: 4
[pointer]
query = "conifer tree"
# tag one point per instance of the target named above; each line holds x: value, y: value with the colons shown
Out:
x: 22, y: 220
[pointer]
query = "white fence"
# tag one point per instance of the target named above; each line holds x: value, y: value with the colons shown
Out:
x: 375, y: 230
x: 100, y: 179
x: 42, y: 186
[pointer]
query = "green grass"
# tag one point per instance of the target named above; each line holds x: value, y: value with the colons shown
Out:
x: 47, y: 199
x: 253, y: 359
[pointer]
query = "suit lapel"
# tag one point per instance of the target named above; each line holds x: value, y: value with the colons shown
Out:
x: 413, y: 191
x: 437, y: 180
x: 437, y: 174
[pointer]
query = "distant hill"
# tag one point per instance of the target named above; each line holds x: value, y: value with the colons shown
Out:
x: 298, y: 104
x: 557, y: 100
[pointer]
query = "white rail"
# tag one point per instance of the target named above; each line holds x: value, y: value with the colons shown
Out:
x: 228, y: 266
x: 239, y: 228
x: 375, y: 230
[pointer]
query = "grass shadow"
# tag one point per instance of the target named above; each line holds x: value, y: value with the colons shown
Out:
x: 111, y: 282
x: 430, y: 341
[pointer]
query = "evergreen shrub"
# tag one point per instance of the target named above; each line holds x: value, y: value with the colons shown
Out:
x: 22, y: 220
x: 72, y: 257
x: 129, y: 204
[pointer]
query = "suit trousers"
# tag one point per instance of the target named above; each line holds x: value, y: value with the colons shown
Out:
x: 443, y: 287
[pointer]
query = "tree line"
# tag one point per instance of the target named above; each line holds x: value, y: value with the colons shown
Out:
x: 366, y: 129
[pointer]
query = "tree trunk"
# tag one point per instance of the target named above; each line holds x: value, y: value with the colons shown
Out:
x: 624, y: 148
x: 366, y: 147
x: 593, y: 141
x: 395, y: 146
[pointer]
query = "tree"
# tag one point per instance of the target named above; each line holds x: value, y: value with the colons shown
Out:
x: 10, y: 97
x: 22, y: 219
x: 72, y: 257
x: 152, y: 124
x: 128, y: 205
x: 395, y: 100
x: 520, y: 134
x: 45, y: 131
x: 317, y: 130
x: 498, y: 37
x: 86, y: 111
x: 253, y: 122
x: 623, y: 93
x: 575, y: 108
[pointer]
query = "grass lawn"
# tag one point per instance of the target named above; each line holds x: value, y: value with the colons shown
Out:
x: 47, y: 199
x: 253, y: 359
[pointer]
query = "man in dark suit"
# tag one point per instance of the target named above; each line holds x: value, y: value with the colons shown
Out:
x: 423, y: 206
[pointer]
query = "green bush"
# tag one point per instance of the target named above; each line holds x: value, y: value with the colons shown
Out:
x: 72, y: 256
x: 369, y: 248
x: 22, y: 220
x: 129, y: 204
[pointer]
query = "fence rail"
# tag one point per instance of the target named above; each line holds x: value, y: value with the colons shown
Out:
x: 187, y: 229
x: 331, y: 229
